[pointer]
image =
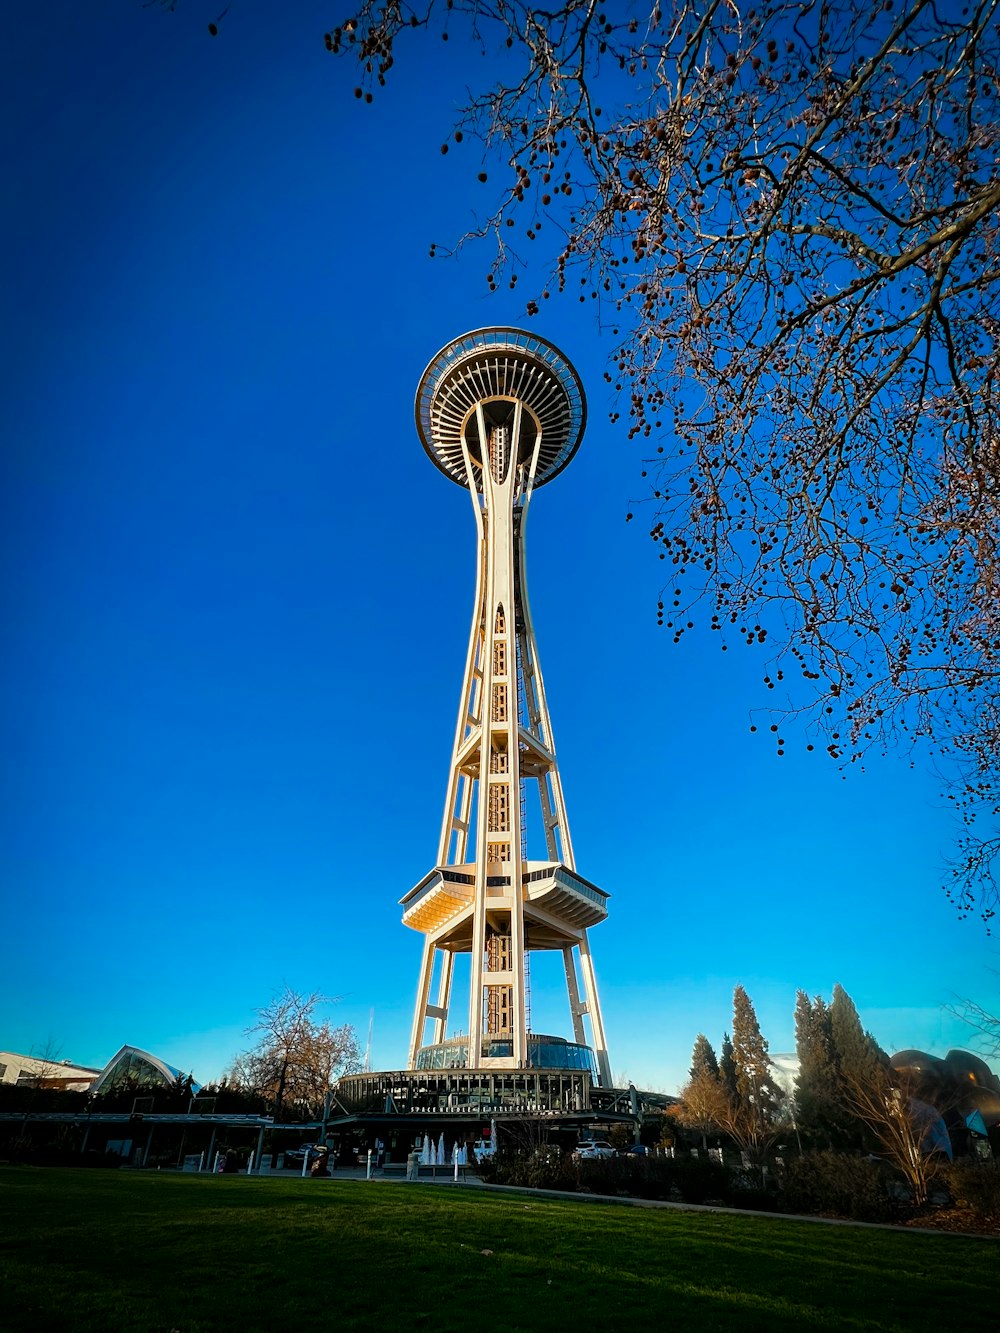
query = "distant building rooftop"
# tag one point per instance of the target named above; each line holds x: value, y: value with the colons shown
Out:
x: 41, y: 1072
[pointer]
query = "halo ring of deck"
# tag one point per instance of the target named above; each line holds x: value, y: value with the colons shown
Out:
x: 543, y: 1053
x: 500, y: 363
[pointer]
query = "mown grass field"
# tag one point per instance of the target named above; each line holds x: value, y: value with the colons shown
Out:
x: 108, y: 1251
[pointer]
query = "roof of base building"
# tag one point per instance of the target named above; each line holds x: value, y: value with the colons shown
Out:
x: 141, y: 1068
x: 52, y: 1071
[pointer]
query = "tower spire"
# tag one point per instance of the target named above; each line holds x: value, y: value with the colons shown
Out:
x: 501, y: 413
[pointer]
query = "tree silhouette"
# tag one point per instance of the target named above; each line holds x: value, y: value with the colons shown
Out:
x: 983, y: 1021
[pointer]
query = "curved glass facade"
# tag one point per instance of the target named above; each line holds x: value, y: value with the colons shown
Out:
x: 543, y: 1053
x: 135, y: 1069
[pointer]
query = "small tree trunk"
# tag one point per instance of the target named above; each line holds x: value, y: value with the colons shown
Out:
x: 279, y: 1096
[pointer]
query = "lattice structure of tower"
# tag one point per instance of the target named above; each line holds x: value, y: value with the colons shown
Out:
x: 502, y: 412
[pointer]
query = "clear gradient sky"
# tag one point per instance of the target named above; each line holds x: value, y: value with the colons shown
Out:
x: 236, y: 594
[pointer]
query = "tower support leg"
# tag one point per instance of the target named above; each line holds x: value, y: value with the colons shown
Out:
x: 444, y: 995
x: 573, y: 991
x: 594, y: 1009
x: 423, y: 990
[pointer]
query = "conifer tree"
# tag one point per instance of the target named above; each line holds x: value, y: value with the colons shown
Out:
x: 817, y: 1107
x: 858, y: 1055
x: 703, y: 1059
x: 881, y: 1107
x: 703, y: 1101
x: 856, y: 1062
x: 753, y: 1101
x: 755, y: 1085
x: 727, y: 1067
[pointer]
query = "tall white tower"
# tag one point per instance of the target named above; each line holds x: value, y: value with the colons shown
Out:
x: 502, y: 412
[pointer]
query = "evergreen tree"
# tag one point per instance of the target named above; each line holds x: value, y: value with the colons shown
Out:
x: 752, y: 1100
x: 703, y: 1059
x: 858, y: 1055
x: 755, y: 1085
x: 860, y: 1063
x: 818, y: 1112
x: 703, y: 1101
x: 727, y: 1067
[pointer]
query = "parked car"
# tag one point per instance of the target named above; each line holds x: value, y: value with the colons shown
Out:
x: 593, y: 1149
x: 638, y: 1150
x: 294, y: 1156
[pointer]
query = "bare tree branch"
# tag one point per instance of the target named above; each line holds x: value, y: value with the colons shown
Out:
x: 298, y: 1057
x: 787, y: 217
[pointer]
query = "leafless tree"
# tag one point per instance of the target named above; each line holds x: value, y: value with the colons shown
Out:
x: 48, y: 1063
x: 890, y: 1104
x: 298, y: 1056
x: 526, y: 1133
x: 755, y: 1129
x: 980, y: 1020
x: 702, y: 1105
x: 786, y: 214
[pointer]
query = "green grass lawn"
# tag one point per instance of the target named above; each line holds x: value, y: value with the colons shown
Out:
x: 95, y: 1250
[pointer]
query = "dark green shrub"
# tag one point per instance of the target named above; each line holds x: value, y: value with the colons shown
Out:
x: 613, y: 1175
x: 544, y: 1168
x: 976, y: 1184
x: 18, y: 1097
x: 741, y: 1192
x: 57, y: 1150
x: 699, y: 1181
x: 682, y: 1179
x: 838, y: 1183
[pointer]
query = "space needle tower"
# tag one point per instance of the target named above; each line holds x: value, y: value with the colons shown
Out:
x: 502, y: 412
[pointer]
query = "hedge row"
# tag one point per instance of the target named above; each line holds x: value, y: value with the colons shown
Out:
x: 837, y: 1184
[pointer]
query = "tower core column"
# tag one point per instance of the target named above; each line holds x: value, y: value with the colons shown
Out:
x: 501, y: 412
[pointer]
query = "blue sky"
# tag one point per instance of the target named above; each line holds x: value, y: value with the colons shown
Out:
x: 237, y: 594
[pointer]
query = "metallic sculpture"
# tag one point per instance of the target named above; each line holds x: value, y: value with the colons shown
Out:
x: 501, y: 413
x: 960, y: 1084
